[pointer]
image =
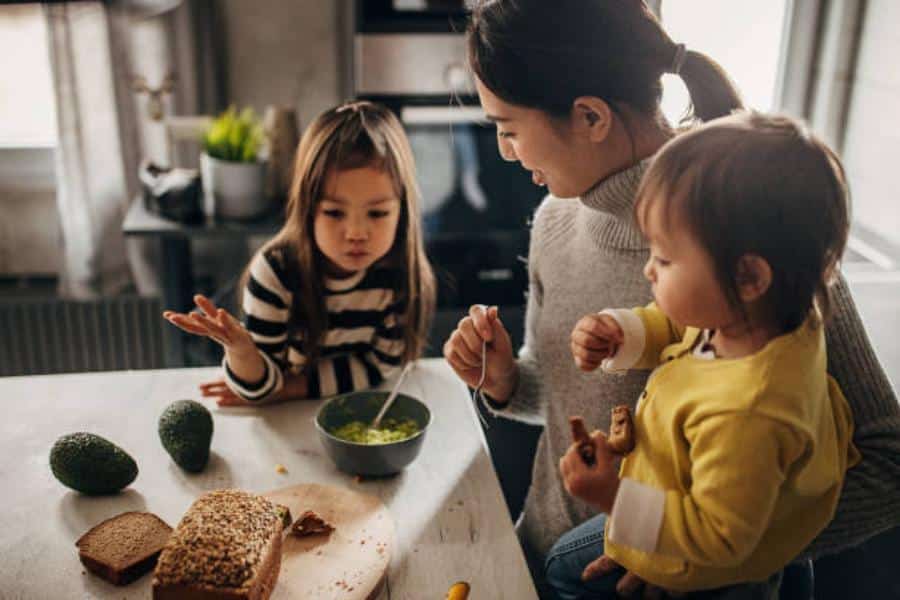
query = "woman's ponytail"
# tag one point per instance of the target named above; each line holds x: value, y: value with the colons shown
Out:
x: 713, y: 93
x: 543, y: 55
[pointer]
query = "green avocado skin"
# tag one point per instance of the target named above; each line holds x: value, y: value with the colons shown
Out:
x: 91, y: 464
x: 185, y: 430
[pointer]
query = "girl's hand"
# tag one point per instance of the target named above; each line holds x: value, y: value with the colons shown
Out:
x: 215, y: 323
x: 595, y: 338
x: 222, y: 394
x: 463, y: 351
x: 596, y: 484
x: 295, y: 388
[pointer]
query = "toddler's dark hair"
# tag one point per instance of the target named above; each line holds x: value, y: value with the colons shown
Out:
x: 757, y: 184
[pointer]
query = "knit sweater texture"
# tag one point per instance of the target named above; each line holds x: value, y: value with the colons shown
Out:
x: 587, y: 254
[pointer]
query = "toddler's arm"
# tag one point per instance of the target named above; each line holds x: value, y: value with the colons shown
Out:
x: 622, y: 339
x: 738, y: 465
x: 595, y: 338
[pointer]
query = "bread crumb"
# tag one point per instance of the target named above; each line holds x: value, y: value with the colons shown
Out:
x: 280, y: 469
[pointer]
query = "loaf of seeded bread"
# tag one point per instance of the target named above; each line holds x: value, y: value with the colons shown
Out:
x: 124, y: 547
x: 227, y: 546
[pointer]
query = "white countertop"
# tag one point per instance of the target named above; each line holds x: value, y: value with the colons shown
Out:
x: 451, y: 521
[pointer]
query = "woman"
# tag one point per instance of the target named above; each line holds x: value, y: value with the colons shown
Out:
x: 574, y: 88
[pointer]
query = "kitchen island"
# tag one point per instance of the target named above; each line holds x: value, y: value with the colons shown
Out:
x: 451, y: 521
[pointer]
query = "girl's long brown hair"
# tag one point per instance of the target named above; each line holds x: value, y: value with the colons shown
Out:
x: 353, y: 135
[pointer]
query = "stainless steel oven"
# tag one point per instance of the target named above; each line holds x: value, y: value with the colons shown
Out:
x: 410, y: 55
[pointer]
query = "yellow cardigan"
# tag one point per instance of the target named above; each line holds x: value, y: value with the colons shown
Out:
x: 739, y: 462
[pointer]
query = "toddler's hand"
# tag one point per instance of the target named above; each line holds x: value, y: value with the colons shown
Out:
x: 629, y: 585
x: 595, y: 338
x: 215, y: 323
x: 596, y: 484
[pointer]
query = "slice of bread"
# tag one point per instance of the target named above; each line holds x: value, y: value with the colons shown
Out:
x: 124, y: 547
x: 227, y: 546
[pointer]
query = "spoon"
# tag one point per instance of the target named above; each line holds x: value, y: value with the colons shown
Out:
x: 390, y: 399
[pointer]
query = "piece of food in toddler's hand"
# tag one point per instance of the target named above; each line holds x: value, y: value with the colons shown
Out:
x: 621, y: 430
x: 310, y: 523
x: 581, y: 437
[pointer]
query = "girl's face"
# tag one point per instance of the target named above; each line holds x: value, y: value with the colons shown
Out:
x: 683, y: 276
x: 555, y: 159
x: 356, y: 219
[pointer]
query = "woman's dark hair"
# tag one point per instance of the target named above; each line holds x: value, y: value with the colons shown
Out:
x: 758, y: 185
x: 545, y: 53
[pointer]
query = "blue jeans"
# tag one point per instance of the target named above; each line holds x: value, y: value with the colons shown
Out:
x: 571, y: 554
x: 576, y: 548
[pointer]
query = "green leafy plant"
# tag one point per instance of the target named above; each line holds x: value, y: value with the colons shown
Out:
x: 234, y: 136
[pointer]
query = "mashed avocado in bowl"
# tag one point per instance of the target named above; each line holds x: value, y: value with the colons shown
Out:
x: 390, y: 430
x: 342, y: 425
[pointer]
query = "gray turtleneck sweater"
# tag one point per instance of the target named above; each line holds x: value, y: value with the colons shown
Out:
x: 586, y: 254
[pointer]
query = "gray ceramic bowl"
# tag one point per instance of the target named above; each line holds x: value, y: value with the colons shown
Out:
x: 371, y: 459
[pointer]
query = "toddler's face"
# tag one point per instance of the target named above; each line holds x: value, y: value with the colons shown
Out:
x: 356, y: 219
x: 683, y: 276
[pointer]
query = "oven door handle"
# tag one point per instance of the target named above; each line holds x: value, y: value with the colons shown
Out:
x: 442, y: 115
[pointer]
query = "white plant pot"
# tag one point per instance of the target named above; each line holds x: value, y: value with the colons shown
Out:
x: 233, y: 190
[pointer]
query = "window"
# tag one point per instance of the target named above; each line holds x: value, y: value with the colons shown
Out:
x: 27, y: 113
x: 744, y: 37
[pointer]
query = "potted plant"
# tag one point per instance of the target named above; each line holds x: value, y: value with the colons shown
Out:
x: 233, y: 174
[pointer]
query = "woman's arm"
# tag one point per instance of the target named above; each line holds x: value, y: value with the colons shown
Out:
x: 870, y: 500
x: 525, y: 400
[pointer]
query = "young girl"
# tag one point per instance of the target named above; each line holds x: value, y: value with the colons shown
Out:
x: 343, y: 294
x: 742, y: 439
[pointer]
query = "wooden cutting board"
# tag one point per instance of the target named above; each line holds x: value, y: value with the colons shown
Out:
x: 351, y: 562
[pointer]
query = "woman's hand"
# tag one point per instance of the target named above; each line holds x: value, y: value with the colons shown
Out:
x: 214, y: 323
x: 629, y: 584
x: 596, y: 484
x: 595, y: 338
x: 463, y: 351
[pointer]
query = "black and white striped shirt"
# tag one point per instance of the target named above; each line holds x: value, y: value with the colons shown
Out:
x: 362, y: 346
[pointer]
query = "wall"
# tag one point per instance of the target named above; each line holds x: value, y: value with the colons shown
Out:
x: 29, y: 227
x: 283, y: 53
x: 873, y: 123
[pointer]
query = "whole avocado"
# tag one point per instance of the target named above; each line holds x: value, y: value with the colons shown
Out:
x: 91, y: 464
x: 185, y: 430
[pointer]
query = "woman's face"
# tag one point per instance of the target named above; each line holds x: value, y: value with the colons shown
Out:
x: 556, y: 158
